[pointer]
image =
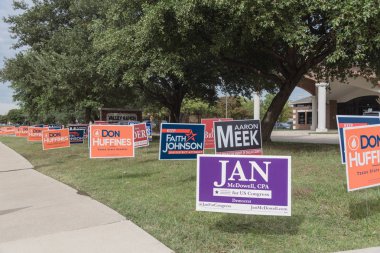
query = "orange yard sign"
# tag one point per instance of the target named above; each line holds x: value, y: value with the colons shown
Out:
x: 35, y: 133
x: 362, y: 156
x: 111, y: 141
x: 55, y: 138
x: 22, y: 131
x: 8, y: 130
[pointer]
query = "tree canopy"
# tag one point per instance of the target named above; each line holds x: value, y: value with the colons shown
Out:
x: 97, y: 53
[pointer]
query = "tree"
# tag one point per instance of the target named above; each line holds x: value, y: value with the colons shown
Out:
x: 156, y: 57
x: 57, y: 77
x: 16, y: 116
x: 237, y: 107
x: 272, y: 45
x: 285, y: 114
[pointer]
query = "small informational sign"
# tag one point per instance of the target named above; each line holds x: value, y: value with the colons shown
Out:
x: 55, y: 126
x: 244, y: 184
x: 111, y: 141
x: 55, y: 138
x: 83, y: 127
x: 149, y: 130
x: 141, y: 135
x: 238, y: 137
x: 121, y: 116
x: 76, y: 136
x: 344, y: 121
x: 181, y: 141
x: 101, y: 122
x: 22, y: 131
x: 362, y: 156
x: 35, y: 133
x: 209, y: 130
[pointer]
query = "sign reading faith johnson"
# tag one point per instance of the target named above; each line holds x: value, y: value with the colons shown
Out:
x: 111, y: 141
x: 344, y: 121
x: 238, y: 137
x: 362, y: 156
x: 22, y: 131
x: 83, y: 127
x: 35, y: 133
x: 141, y: 135
x: 181, y: 141
x: 209, y: 130
x: 244, y: 184
x: 55, y: 138
x: 76, y: 136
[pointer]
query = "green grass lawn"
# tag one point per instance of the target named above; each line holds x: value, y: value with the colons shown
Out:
x: 159, y: 196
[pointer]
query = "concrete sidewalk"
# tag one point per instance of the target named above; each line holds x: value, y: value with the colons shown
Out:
x: 40, y: 214
x: 304, y: 136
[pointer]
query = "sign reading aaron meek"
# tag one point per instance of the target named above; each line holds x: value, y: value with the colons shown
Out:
x: 238, y: 137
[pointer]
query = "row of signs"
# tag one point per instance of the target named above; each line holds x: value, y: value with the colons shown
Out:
x: 225, y: 183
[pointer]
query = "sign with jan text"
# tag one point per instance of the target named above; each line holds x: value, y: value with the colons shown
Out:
x: 244, y: 184
x: 209, y: 130
x: 362, y: 156
x: 181, y: 141
x: 111, y: 141
x: 238, y: 137
x: 344, y: 121
x: 55, y: 138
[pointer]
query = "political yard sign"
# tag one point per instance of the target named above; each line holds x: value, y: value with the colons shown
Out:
x: 111, y: 141
x: 76, y: 136
x: 84, y: 127
x: 22, y: 131
x: 344, y: 121
x: 238, y: 137
x: 141, y: 135
x: 8, y: 130
x: 181, y: 141
x: 149, y: 130
x: 244, y: 184
x: 35, y: 133
x: 362, y: 156
x: 55, y: 138
x: 209, y: 130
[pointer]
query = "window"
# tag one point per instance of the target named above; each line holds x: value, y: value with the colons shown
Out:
x: 309, y: 118
x: 301, y: 118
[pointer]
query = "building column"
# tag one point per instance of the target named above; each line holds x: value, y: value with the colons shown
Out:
x: 314, y: 113
x: 256, y: 106
x: 321, y: 107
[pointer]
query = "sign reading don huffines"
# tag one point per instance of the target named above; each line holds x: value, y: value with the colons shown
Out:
x: 244, y: 184
x: 238, y: 137
x: 362, y: 156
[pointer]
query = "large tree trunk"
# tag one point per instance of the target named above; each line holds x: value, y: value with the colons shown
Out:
x: 175, y: 114
x: 274, y: 110
x: 87, y: 115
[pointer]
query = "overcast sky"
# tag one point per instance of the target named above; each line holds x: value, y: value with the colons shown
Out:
x: 6, y: 101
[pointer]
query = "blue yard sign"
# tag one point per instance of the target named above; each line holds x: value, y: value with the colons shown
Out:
x: 181, y: 141
x: 149, y: 130
x: 344, y: 121
x: 76, y: 136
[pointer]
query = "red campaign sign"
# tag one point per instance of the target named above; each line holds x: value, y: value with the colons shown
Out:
x: 209, y: 130
x: 141, y: 136
x: 344, y: 125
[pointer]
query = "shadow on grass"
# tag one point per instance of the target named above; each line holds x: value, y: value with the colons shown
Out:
x: 189, y: 179
x: 305, y: 147
x: 125, y: 175
x: 37, y: 167
x: 269, y: 225
x: 359, y: 210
